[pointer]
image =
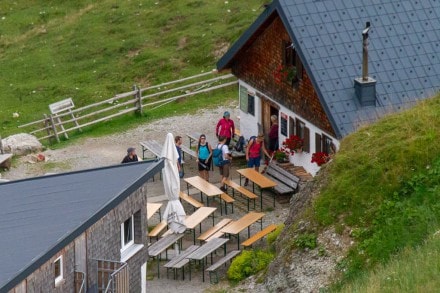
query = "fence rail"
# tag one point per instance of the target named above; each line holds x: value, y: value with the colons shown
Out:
x: 52, y: 126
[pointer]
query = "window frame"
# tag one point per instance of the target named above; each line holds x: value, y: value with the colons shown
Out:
x: 326, y: 144
x: 251, y: 104
x: 60, y: 277
x: 125, y: 245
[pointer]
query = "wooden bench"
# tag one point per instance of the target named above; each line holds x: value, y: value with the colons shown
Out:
x: 213, y: 268
x: 228, y: 200
x: 156, y: 230
x: 5, y: 161
x: 187, y: 150
x: 286, y: 182
x: 214, y: 229
x: 179, y: 261
x: 259, y: 235
x: 193, y: 138
x: 195, y: 203
x: 243, y: 191
x: 152, y: 146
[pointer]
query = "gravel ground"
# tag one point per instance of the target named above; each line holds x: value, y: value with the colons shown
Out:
x: 107, y: 150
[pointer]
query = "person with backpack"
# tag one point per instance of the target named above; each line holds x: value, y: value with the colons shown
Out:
x: 253, y: 153
x: 225, y: 127
x: 222, y: 159
x: 204, y: 153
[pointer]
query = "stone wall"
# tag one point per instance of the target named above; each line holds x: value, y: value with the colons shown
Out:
x: 256, y: 66
x: 104, y: 239
x: 43, y: 280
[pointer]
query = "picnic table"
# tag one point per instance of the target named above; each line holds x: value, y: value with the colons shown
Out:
x: 152, y: 146
x: 204, y: 187
x: 5, y: 161
x: 197, y: 218
x: 155, y: 250
x: 152, y: 208
x: 256, y: 178
x: 203, y: 251
x: 234, y: 228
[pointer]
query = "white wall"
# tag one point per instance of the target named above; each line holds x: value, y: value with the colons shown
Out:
x: 249, y: 127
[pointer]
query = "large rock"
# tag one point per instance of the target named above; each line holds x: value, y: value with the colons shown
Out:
x: 21, y: 144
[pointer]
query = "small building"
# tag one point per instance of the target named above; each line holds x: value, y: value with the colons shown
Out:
x: 75, y: 231
x: 303, y: 61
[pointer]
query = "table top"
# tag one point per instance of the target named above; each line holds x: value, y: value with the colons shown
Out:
x: 163, y: 243
x: 242, y: 223
x: 153, y: 146
x: 198, y: 216
x: 204, y: 186
x: 257, y: 178
x: 207, y: 248
x: 152, y: 208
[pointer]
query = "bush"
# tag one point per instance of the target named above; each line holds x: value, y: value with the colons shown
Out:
x: 248, y: 263
x: 307, y: 240
x: 272, y: 237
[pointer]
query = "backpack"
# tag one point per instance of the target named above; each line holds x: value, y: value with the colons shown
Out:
x: 217, y: 156
x: 239, y: 146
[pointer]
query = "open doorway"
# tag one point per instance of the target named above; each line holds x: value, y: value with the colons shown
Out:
x: 268, y: 108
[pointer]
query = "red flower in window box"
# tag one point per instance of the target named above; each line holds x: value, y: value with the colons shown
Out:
x: 293, y: 143
x: 320, y: 158
x: 284, y: 73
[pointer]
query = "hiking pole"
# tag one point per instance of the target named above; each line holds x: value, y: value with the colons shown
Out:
x: 265, y: 167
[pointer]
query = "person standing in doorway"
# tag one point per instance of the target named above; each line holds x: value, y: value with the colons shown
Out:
x: 226, y: 163
x: 254, y: 150
x: 273, y: 134
x: 178, y: 142
x: 204, y: 154
x: 225, y: 127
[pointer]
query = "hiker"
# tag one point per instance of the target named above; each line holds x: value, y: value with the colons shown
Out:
x: 226, y: 161
x: 131, y: 156
x: 225, y: 127
x: 204, y: 154
x: 253, y: 153
x: 178, y: 142
x: 273, y: 134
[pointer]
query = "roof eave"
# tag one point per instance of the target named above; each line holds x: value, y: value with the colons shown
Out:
x: 226, y: 60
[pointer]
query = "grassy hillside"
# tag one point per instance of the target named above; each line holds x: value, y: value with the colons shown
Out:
x: 91, y: 50
x: 385, y: 186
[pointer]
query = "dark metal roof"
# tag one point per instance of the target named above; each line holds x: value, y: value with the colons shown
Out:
x: 41, y: 215
x: 403, y: 52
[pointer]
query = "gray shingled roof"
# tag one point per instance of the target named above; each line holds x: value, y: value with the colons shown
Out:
x: 39, y: 216
x: 403, y: 52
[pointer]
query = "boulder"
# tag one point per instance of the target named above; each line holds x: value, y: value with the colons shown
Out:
x: 21, y: 144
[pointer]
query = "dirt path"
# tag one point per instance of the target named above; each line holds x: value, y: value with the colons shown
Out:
x: 107, y: 150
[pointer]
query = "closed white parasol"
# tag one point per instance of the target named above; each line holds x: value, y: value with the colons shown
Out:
x: 174, y: 212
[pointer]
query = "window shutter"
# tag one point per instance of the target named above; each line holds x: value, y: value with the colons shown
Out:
x: 291, y: 126
x: 298, y: 127
x: 306, y: 147
x: 318, y: 143
x: 299, y: 67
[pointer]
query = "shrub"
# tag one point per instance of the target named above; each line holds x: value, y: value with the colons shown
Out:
x: 248, y: 263
x: 272, y: 237
x: 307, y: 240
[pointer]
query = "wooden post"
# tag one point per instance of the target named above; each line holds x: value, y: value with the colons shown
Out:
x: 48, y: 128
x: 75, y: 120
x: 138, y: 96
x: 1, y: 146
x: 54, y: 128
x: 61, y: 126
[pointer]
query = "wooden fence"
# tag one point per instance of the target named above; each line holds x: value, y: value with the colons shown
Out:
x: 53, y: 125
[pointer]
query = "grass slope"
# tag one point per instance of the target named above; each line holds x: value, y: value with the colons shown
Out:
x: 385, y: 186
x: 91, y: 50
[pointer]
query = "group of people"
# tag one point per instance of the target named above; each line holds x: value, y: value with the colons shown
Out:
x: 224, y: 131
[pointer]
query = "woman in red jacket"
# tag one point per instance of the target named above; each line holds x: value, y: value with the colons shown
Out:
x: 225, y: 127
